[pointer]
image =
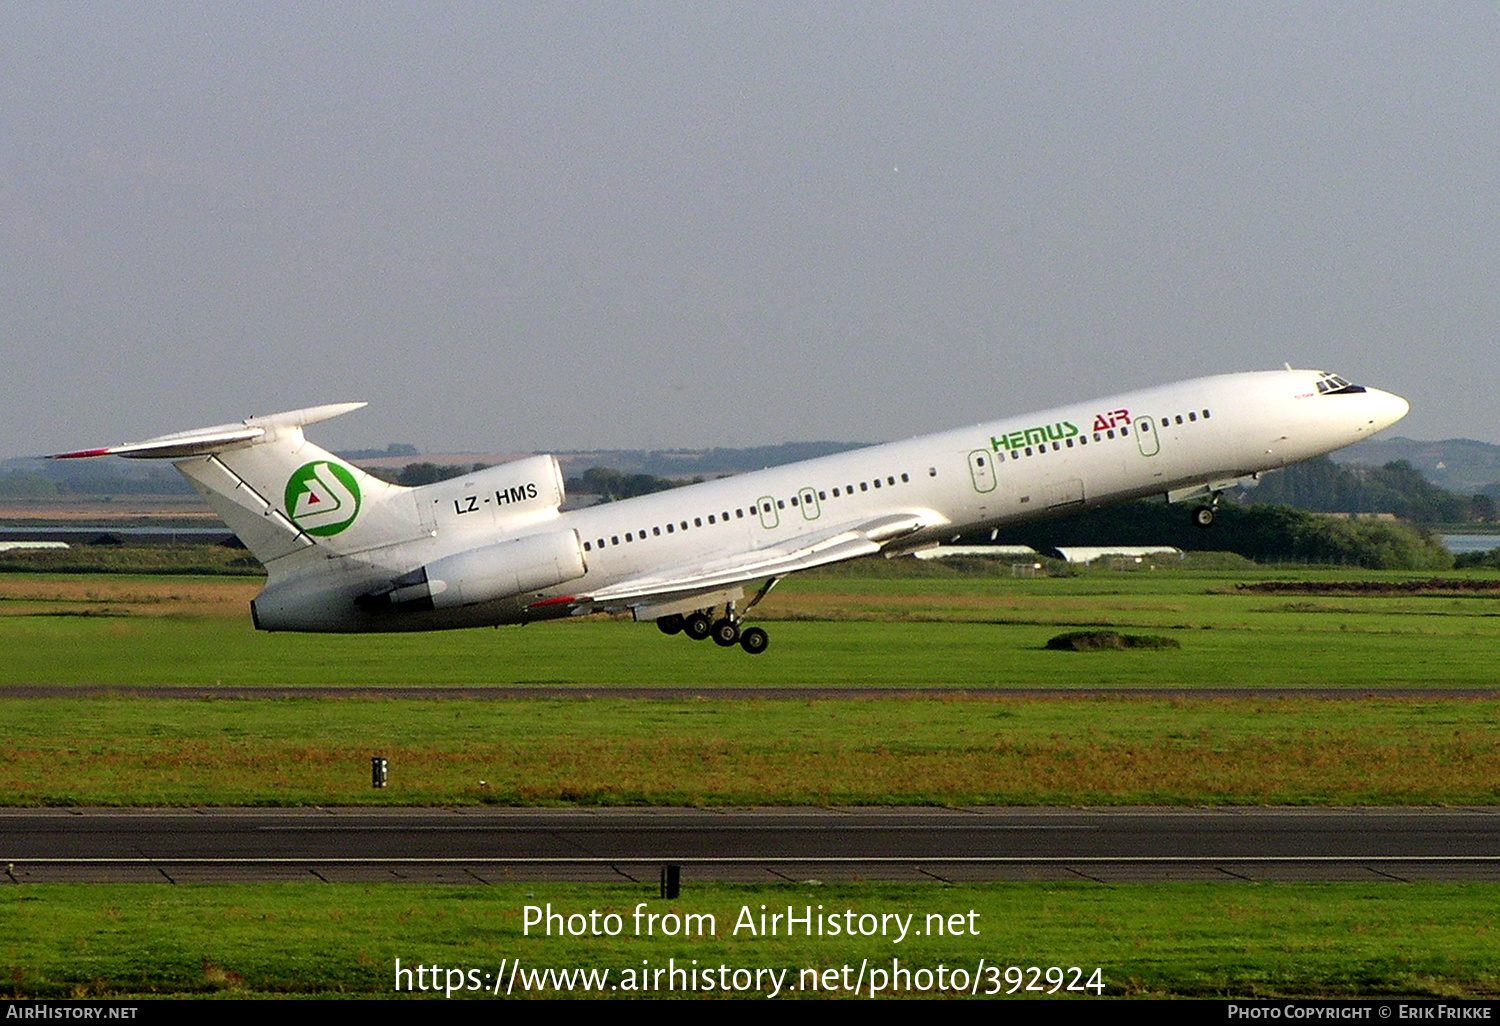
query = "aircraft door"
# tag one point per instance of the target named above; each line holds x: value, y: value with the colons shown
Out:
x: 807, y: 498
x: 766, y: 506
x: 982, y: 470
x: 1147, y: 437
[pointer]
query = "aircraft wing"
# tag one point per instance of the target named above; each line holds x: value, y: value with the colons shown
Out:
x: 833, y: 546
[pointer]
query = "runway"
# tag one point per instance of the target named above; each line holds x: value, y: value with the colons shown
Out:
x: 474, y: 845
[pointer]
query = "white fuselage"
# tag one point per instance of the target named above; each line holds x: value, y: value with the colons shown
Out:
x: 1156, y: 441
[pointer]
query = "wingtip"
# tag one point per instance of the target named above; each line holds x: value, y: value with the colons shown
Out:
x: 79, y: 455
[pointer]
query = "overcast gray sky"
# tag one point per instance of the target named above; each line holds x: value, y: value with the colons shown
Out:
x: 521, y: 226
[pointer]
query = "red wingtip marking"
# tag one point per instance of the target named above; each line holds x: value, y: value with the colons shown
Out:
x: 555, y: 601
x: 81, y: 454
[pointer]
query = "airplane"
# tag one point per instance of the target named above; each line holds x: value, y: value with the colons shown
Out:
x: 348, y: 552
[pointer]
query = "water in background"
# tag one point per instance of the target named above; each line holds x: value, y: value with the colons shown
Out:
x: 1456, y: 543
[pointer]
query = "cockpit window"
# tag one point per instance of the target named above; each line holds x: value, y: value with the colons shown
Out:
x: 1333, y: 384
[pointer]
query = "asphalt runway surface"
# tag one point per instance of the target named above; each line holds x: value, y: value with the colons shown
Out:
x: 475, y: 845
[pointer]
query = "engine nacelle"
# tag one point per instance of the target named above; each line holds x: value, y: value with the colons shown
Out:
x: 497, y: 571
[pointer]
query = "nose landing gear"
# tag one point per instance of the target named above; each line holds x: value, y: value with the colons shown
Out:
x: 1204, y: 516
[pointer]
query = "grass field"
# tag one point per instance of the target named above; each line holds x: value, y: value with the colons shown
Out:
x: 979, y: 633
x: 613, y: 751
x: 1196, y: 940
x: 917, y: 627
x: 948, y: 630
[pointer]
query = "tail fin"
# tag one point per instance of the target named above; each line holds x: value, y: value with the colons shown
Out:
x: 281, y: 494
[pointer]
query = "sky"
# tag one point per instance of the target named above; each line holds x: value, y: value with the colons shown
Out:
x: 515, y: 227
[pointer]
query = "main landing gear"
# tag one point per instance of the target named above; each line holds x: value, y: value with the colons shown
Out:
x: 726, y: 630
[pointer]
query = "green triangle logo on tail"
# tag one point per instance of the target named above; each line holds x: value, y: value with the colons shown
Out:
x: 322, y: 498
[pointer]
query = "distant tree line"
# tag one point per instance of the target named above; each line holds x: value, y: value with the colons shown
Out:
x: 612, y: 485
x: 393, y: 450
x: 1266, y: 534
x: 22, y: 484
x: 1322, y: 486
x: 608, y: 484
x: 414, y: 475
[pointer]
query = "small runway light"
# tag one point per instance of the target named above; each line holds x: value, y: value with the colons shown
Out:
x: 671, y: 881
x: 380, y: 769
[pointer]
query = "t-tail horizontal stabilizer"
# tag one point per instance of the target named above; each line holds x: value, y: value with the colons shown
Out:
x: 279, y: 493
x: 205, y: 441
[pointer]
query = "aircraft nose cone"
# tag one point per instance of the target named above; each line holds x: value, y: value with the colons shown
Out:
x: 1387, y: 408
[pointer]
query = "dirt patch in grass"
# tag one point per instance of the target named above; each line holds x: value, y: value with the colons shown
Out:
x: 1087, y: 641
x: 1432, y: 586
x: 101, y: 596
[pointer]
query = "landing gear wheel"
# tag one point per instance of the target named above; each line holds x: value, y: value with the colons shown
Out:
x: 726, y: 633
x: 669, y: 624
x: 754, y: 640
x: 698, y: 626
x: 1203, y: 516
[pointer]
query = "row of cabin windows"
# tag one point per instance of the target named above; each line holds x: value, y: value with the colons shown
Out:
x: 739, y: 514
x: 1081, y: 440
x: 1191, y: 416
x: 1099, y: 436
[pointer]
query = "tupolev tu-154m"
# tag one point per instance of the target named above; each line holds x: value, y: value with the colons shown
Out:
x: 345, y: 551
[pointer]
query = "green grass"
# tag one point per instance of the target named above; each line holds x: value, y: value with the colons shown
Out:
x: 982, y: 634
x: 133, y: 559
x: 867, y: 624
x: 955, y: 752
x: 949, y: 631
x: 1197, y: 940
